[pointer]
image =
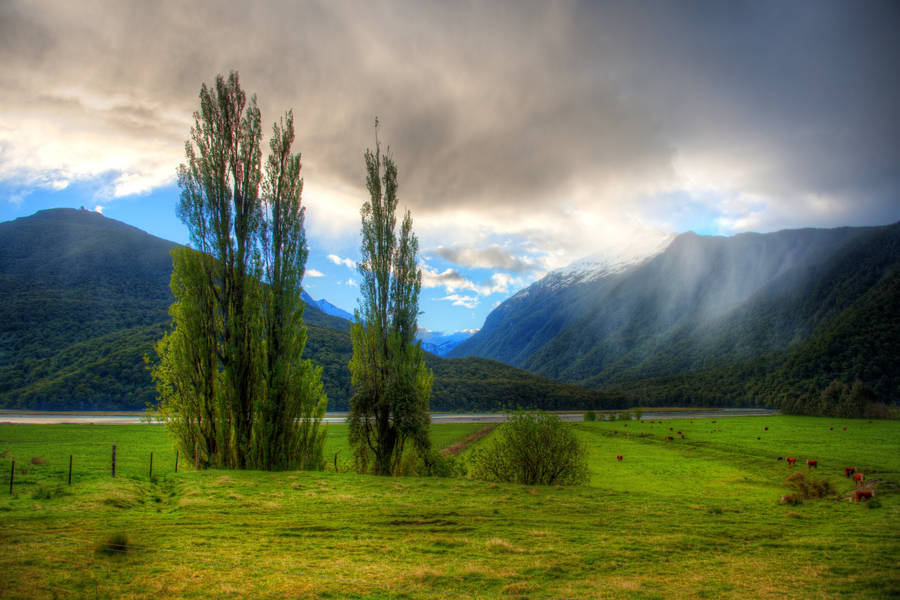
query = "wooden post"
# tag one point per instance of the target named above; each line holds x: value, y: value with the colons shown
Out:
x: 196, y: 456
x: 114, y: 461
x: 151, y: 465
x: 12, y: 475
x: 176, y: 461
x: 70, y: 469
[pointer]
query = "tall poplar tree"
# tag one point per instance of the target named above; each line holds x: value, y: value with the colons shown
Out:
x: 393, y: 386
x: 231, y: 382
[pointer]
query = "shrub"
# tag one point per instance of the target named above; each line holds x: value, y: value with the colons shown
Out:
x: 590, y: 415
x: 809, y: 488
x: 532, y: 448
x: 638, y: 413
x: 792, y: 499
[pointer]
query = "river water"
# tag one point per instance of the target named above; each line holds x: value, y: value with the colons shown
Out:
x: 136, y: 418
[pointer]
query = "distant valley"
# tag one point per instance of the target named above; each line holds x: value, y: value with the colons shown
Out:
x: 752, y: 320
x: 84, y: 298
x: 747, y: 320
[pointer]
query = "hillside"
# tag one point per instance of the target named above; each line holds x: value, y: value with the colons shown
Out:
x: 83, y: 299
x: 711, y: 320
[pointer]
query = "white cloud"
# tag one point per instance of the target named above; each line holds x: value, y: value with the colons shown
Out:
x: 351, y: 283
x: 314, y: 273
x: 453, y: 281
x: 99, y: 209
x: 458, y: 300
x: 342, y: 261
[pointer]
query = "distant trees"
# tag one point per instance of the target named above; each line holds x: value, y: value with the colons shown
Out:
x: 839, y: 400
x: 532, y: 448
x: 392, y: 385
x: 230, y: 377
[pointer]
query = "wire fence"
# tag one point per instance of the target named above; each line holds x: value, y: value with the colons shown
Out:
x: 32, y: 462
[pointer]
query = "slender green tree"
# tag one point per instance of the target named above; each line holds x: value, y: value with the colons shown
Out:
x: 231, y: 382
x: 289, y: 432
x: 389, y: 407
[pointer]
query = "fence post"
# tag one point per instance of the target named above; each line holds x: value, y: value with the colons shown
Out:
x: 114, y: 461
x: 70, y: 469
x: 12, y: 475
x: 176, y: 461
x: 151, y: 465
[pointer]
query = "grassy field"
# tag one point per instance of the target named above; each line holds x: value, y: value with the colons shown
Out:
x: 690, y: 518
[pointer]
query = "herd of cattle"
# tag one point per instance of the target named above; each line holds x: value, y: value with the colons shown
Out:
x: 861, y: 493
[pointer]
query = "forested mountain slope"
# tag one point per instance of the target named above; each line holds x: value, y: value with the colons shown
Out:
x: 83, y: 299
x: 732, y: 320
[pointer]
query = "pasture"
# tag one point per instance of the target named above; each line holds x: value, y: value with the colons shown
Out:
x: 697, y: 517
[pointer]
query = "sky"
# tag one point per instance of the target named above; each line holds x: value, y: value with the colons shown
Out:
x: 527, y: 135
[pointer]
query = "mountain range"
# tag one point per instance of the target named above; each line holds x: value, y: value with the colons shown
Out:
x: 435, y: 342
x: 747, y: 319
x: 83, y: 299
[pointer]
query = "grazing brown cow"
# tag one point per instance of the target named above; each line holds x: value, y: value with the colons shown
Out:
x: 791, y: 460
x: 812, y: 464
x: 619, y: 457
x: 780, y: 458
x: 766, y: 429
x: 858, y: 479
x: 848, y: 471
x: 669, y: 438
x: 845, y: 429
x: 863, y: 495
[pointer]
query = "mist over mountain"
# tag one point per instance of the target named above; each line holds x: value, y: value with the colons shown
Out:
x: 713, y: 303
x: 84, y: 298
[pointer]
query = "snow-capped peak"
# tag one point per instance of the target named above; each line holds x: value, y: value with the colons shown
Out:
x: 643, y: 246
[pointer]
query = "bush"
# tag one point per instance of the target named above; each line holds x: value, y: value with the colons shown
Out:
x: 808, y: 487
x: 590, y: 415
x: 638, y: 413
x: 532, y: 448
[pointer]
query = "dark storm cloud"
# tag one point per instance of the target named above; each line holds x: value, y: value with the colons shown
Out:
x: 492, y: 257
x: 507, y: 107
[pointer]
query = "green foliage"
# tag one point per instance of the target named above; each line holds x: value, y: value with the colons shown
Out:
x: 532, y: 448
x: 590, y: 415
x: 232, y: 385
x: 392, y: 383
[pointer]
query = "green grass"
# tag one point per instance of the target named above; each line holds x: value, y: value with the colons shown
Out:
x: 693, y: 518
